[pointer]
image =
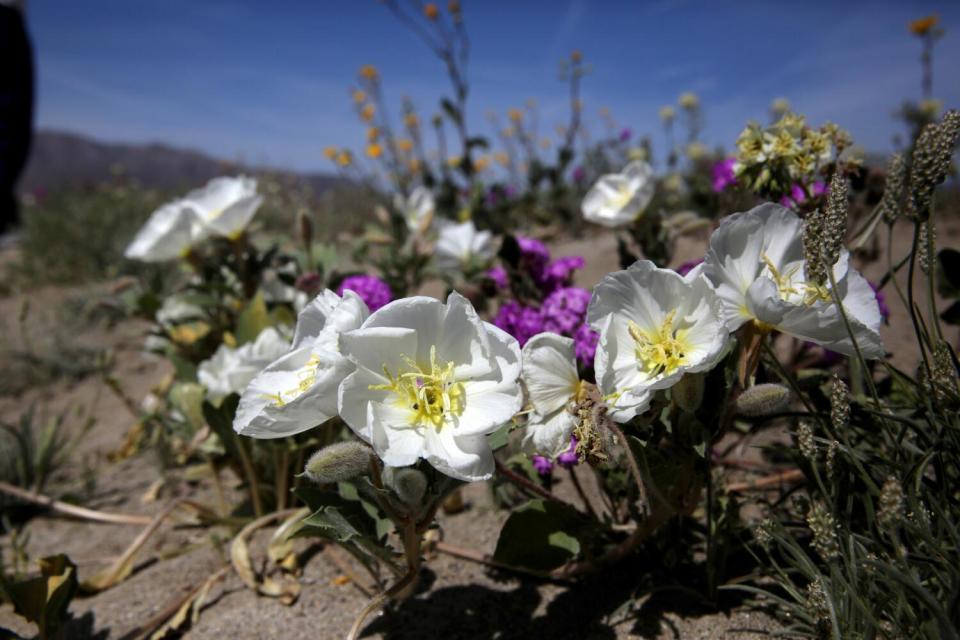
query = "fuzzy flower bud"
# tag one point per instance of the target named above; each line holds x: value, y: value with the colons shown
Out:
x: 944, y: 374
x: 839, y: 404
x: 813, y: 233
x: 932, y: 157
x: 832, y: 458
x: 926, y: 245
x: 338, y: 462
x: 835, y: 220
x: 409, y: 484
x: 891, y: 511
x: 763, y: 400
x: 688, y: 392
x: 816, y: 602
x: 824, y: 529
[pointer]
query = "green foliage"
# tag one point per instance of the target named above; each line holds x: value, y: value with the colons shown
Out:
x: 540, y: 535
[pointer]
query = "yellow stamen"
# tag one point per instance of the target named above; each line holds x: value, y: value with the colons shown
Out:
x: 431, y: 393
x: 306, y: 376
x: 662, y: 351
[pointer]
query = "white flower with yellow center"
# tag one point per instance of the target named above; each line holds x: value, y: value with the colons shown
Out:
x: 655, y: 325
x: 230, y: 369
x: 432, y: 380
x: 755, y: 262
x: 417, y: 209
x: 224, y: 207
x: 617, y: 199
x: 460, y: 245
x: 167, y: 234
x: 553, y: 389
x: 298, y: 391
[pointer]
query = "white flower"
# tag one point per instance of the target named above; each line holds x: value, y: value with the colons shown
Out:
x: 298, y: 391
x: 417, y: 209
x: 167, y: 234
x: 224, y: 207
x: 553, y: 386
x: 619, y: 198
x: 655, y: 325
x: 461, y: 244
x: 756, y: 264
x: 431, y: 381
x: 230, y: 370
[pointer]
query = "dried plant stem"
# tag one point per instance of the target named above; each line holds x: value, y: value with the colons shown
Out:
x: 776, y: 480
x: 524, y: 483
x: 73, y: 510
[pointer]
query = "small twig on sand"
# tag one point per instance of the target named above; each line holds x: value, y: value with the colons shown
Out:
x: 768, y: 482
x: 73, y: 510
x: 524, y: 483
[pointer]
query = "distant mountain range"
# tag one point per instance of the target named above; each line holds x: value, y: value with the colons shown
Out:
x: 60, y: 159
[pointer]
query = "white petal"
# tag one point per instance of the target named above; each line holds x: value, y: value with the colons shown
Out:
x: 374, y: 348
x: 396, y: 441
x: 550, y: 435
x: 550, y: 372
x: 468, y: 458
x: 165, y: 236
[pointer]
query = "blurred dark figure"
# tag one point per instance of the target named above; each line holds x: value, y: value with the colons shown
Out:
x: 16, y: 106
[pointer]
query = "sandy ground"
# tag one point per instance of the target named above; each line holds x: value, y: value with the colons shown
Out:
x: 457, y: 599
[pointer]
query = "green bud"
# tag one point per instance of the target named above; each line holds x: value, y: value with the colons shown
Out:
x: 408, y: 483
x: 763, y: 400
x: 688, y: 393
x: 338, y: 462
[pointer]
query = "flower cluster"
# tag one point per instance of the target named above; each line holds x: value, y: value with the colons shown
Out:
x: 371, y: 289
x: 562, y: 309
x: 769, y: 161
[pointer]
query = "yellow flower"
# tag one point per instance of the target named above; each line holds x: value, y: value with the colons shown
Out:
x: 923, y: 26
x: 404, y: 145
x: 481, y: 163
x: 369, y: 72
x: 667, y: 114
x: 344, y: 159
x: 780, y: 144
x: 502, y: 159
x: 689, y: 100
x: 374, y: 150
x: 802, y: 164
x: 638, y: 153
x: 780, y: 106
x: 359, y: 96
x: 792, y: 122
x: 696, y: 150
x: 411, y: 120
x: 453, y: 6
x: 330, y: 153
x: 368, y: 112
x: 414, y: 165
x: 515, y: 114
x: 453, y: 161
x: 931, y: 108
x: 576, y: 56
x: 431, y: 11
x: 373, y: 134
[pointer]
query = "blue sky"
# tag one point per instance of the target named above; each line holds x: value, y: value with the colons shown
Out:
x: 267, y: 83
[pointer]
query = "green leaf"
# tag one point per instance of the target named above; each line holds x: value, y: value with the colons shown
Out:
x: 541, y: 535
x: 252, y: 320
x: 500, y: 437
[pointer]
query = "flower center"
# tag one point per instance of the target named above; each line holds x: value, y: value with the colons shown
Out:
x: 431, y: 393
x: 661, y: 351
x: 623, y: 196
x: 306, y: 376
x: 809, y: 292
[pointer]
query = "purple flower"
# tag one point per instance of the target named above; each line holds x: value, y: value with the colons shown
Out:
x: 798, y: 195
x: 626, y: 134
x: 569, y: 458
x: 563, y: 310
x: 688, y: 266
x: 881, y: 301
x: 579, y: 174
x: 723, y: 175
x: 585, y: 344
x: 499, y: 277
x: 372, y: 290
x: 519, y: 321
x: 534, y: 257
x: 543, y: 465
x: 559, y: 273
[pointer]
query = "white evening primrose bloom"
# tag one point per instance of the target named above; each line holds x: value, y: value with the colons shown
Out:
x: 655, y: 325
x: 553, y: 389
x: 224, y: 207
x: 417, y: 209
x: 756, y: 264
x: 460, y: 245
x: 432, y: 380
x: 167, y: 234
x: 298, y: 390
x: 230, y: 369
x: 617, y: 199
